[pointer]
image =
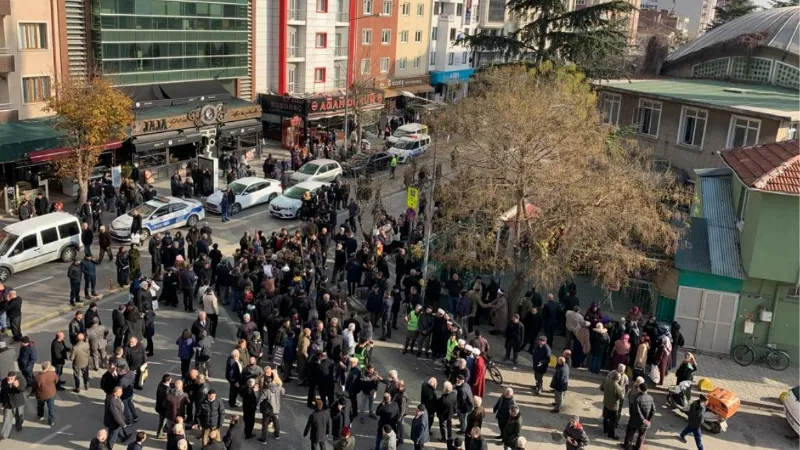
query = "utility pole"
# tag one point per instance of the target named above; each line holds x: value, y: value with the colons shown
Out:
x: 429, y: 215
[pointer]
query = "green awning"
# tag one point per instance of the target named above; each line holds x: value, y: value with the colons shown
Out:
x: 22, y: 137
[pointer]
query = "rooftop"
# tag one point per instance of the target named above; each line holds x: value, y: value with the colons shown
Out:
x: 773, y: 167
x: 762, y: 100
x: 25, y: 136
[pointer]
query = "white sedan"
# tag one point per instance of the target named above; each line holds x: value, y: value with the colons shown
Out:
x: 249, y: 191
x: 287, y: 206
x: 326, y: 170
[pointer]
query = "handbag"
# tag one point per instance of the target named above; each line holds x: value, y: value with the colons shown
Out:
x: 654, y: 374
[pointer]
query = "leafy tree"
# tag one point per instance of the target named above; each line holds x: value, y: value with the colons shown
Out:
x: 91, y: 113
x: 784, y: 3
x: 542, y: 191
x: 731, y: 10
x: 595, y: 35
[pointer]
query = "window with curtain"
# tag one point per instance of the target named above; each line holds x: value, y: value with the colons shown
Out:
x: 35, y: 89
x: 32, y: 36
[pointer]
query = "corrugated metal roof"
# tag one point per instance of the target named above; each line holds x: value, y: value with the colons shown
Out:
x: 718, y: 202
x: 779, y: 25
x: 712, y: 245
x: 693, y: 252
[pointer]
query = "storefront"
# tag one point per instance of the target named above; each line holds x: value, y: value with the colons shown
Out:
x: 295, y: 119
x: 395, y: 99
x: 450, y: 85
x: 166, y: 136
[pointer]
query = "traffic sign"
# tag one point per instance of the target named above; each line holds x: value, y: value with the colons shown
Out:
x: 412, y: 198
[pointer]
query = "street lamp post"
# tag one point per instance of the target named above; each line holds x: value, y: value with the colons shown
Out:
x: 354, y: 23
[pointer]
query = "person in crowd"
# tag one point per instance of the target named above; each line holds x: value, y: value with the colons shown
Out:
x: 696, y: 415
x: 12, y: 398
x: 501, y: 409
x: 559, y: 383
x: 80, y: 356
x: 687, y: 369
x: 613, y: 393
x: 541, y: 361
x: 599, y: 339
x: 420, y: 429
x: 513, y: 428
x: 318, y: 426
x: 640, y: 412
x: 574, y: 435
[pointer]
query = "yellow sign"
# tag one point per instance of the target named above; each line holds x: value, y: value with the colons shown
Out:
x: 412, y: 199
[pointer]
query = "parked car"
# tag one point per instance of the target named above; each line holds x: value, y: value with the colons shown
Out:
x: 406, y: 130
x: 159, y: 214
x: 791, y: 408
x: 364, y: 164
x: 410, y: 147
x: 287, y: 205
x: 249, y: 191
x: 39, y: 240
x: 318, y: 170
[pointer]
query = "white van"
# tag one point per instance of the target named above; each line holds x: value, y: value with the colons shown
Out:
x: 39, y: 240
x: 406, y: 130
x: 410, y: 147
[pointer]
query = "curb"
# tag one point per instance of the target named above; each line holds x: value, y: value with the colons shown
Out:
x: 102, y: 298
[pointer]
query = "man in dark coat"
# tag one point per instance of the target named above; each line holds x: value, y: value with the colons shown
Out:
x: 74, y: 275
x: 12, y: 397
x: 14, y: 315
x: 114, y: 418
x: 210, y: 415
x: 429, y: 399
x: 420, y: 430
x: 640, y: 412
x: 161, y: 405
x: 118, y: 325
x: 541, y: 360
x: 445, y: 411
x: 533, y: 325
x: 26, y: 360
x: 235, y: 436
x: 515, y: 336
x: 560, y: 383
x: 550, y: 316
x: 318, y: 426
x: 696, y: 413
x: 59, y: 354
x: 388, y: 413
x: 89, y: 269
x: 87, y: 238
x: 41, y: 205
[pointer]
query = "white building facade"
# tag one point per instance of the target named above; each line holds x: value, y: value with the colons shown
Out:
x: 701, y: 13
x: 451, y: 65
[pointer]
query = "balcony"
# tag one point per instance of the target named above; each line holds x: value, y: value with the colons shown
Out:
x: 340, y: 84
x: 340, y: 17
x: 6, y: 60
x: 340, y: 52
x: 297, y: 15
x: 296, y: 52
x: 8, y: 113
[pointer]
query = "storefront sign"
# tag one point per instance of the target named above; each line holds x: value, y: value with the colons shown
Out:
x: 283, y: 106
x: 446, y: 17
x: 329, y: 104
x: 399, y: 83
x: 209, y: 114
x: 451, y: 76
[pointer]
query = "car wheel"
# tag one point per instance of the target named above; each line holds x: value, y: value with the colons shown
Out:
x: 192, y: 220
x: 144, y: 234
x: 68, y: 254
x: 236, y: 209
x: 4, y: 273
x: 337, y: 179
x: 272, y: 197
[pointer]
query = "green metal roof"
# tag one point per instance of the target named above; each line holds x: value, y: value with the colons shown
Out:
x: 25, y: 136
x: 156, y: 112
x: 763, y: 100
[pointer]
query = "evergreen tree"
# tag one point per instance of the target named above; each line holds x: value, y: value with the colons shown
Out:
x: 594, y: 38
x: 730, y: 10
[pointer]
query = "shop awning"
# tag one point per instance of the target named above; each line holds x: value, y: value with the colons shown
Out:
x: 41, y: 156
x: 165, y: 140
x: 420, y: 89
x: 25, y: 136
x: 340, y: 112
x: 241, y: 127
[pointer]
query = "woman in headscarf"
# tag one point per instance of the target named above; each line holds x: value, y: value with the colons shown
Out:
x: 677, y: 342
x: 622, y: 348
x: 634, y: 315
x: 687, y: 369
x: 640, y: 360
x: 599, y: 340
x: 593, y: 316
x: 581, y: 345
x: 662, y: 358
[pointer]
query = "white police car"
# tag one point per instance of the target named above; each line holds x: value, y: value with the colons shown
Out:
x: 408, y: 147
x: 159, y: 214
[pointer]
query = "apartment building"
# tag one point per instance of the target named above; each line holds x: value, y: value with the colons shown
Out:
x: 451, y: 64
x: 632, y: 18
x: 374, y: 36
x: 410, y: 72
x: 29, y: 57
x: 305, y: 46
x: 701, y: 13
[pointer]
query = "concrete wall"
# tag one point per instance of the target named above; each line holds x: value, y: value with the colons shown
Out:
x: 783, y: 330
x: 411, y: 50
x: 665, y: 146
x: 262, y: 43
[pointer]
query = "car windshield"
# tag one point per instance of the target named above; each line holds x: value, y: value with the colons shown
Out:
x: 145, y: 209
x: 405, y: 145
x: 309, y: 169
x: 6, y: 241
x: 237, y: 188
x: 295, y: 192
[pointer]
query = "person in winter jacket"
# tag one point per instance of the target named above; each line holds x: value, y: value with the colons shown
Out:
x: 44, y: 387
x: 502, y: 407
x: 513, y: 429
x: 541, y: 361
x: 420, y: 430
x: 515, y: 338
x: 12, y: 397
x: 599, y: 340
x: 464, y: 402
x: 80, y: 362
x: 104, y: 239
x: 613, y: 393
x: 446, y: 408
x: 640, y: 412
x: 559, y: 383
x: 270, y: 407
x: 89, y: 269
x: 318, y: 426
x: 696, y: 414
x: 210, y: 415
x: 74, y: 275
x: 26, y: 360
x: 575, y: 435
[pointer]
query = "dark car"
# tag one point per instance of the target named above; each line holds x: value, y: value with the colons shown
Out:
x: 363, y: 164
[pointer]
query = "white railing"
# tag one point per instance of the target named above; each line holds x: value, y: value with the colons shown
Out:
x: 342, y: 17
x: 339, y: 84
x: 295, y: 52
x: 297, y: 14
x: 341, y: 51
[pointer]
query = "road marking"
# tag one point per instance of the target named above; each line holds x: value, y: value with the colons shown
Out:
x: 51, y: 436
x: 253, y: 215
x: 32, y: 283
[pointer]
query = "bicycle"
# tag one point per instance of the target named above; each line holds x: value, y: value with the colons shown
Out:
x: 745, y: 354
x: 494, y: 371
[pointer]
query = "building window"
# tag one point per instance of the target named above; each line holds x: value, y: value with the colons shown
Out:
x: 647, y: 117
x: 401, y: 63
x: 321, y: 40
x: 743, y: 132
x: 786, y: 75
x: 322, y: 6
x: 404, y: 37
x: 32, y: 36
x: 386, y: 37
x: 580, y: 2
x: 418, y: 36
x: 716, y: 68
x: 451, y: 58
x: 791, y: 133
x: 417, y: 62
x: 420, y: 9
x: 319, y: 75
x: 365, y: 66
x: 366, y: 37
x: 464, y: 59
x: 693, y: 127
x: 384, y: 65
x: 433, y: 58
x: 291, y: 80
x: 752, y: 69
x: 452, y: 34
x: 436, y: 8
x: 35, y: 89
x: 609, y: 108
x: 367, y: 6
x: 459, y: 9
x: 387, y: 8
x: 434, y: 33
x: 406, y: 9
